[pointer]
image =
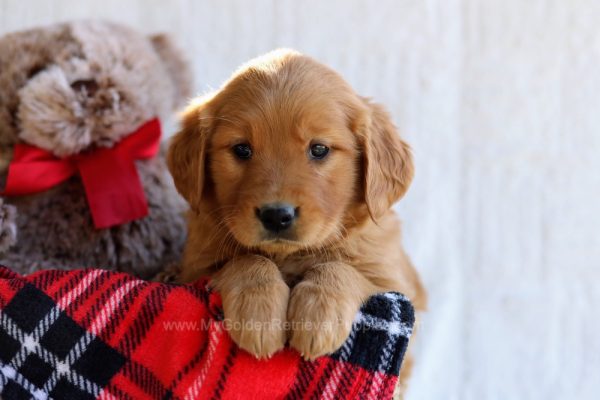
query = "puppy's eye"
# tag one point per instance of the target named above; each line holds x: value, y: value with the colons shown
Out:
x: 318, y: 151
x: 243, y: 151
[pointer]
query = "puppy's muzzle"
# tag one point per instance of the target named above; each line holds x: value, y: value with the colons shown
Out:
x: 277, y: 217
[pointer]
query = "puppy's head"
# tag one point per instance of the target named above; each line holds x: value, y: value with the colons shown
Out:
x: 285, y: 155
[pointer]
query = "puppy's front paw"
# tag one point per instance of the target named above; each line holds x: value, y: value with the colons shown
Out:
x: 255, y: 308
x: 320, y: 319
x: 255, y: 317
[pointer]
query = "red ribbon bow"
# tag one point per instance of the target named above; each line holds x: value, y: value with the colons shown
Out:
x: 112, y: 186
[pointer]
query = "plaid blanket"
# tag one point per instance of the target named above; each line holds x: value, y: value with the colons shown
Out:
x: 96, y: 334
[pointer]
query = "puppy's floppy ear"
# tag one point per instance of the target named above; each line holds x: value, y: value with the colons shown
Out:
x: 387, y: 162
x: 186, y: 156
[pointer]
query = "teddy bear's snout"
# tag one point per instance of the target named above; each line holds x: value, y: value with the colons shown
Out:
x: 68, y: 116
x: 88, y: 87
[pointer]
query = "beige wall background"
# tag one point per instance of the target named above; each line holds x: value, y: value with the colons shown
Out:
x: 500, y: 100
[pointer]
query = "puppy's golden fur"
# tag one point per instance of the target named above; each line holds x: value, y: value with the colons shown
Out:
x: 345, y: 244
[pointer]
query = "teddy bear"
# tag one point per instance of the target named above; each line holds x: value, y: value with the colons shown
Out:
x: 83, y: 180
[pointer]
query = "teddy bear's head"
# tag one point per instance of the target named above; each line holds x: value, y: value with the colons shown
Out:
x: 70, y: 91
x: 71, y: 87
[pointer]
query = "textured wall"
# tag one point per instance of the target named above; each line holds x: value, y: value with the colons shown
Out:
x: 500, y: 101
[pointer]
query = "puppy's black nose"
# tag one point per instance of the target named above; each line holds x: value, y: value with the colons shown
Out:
x: 277, y: 217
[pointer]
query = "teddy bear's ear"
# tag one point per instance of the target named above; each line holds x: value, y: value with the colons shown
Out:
x: 176, y: 64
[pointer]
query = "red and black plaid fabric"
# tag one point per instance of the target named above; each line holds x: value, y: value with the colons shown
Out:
x: 96, y: 334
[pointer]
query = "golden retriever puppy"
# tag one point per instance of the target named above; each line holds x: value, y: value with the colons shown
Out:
x: 290, y: 177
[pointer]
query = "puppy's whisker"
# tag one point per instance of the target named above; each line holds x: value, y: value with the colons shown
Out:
x: 213, y: 213
x: 221, y: 232
x: 229, y: 240
x: 219, y: 227
x: 222, y: 249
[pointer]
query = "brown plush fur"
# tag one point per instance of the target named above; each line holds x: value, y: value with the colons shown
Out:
x: 8, y: 234
x: 70, y: 87
x: 346, y: 243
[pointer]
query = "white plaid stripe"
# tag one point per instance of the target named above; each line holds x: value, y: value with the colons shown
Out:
x: 105, y: 395
x: 78, y: 290
x: 29, y: 342
x: 110, y: 306
x: 387, y: 350
x: 393, y: 327
x: 30, y: 345
x: 215, y: 333
x: 8, y: 373
x: 62, y: 368
x: 65, y: 368
x: 386, y: 353
x: 336, y: 375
